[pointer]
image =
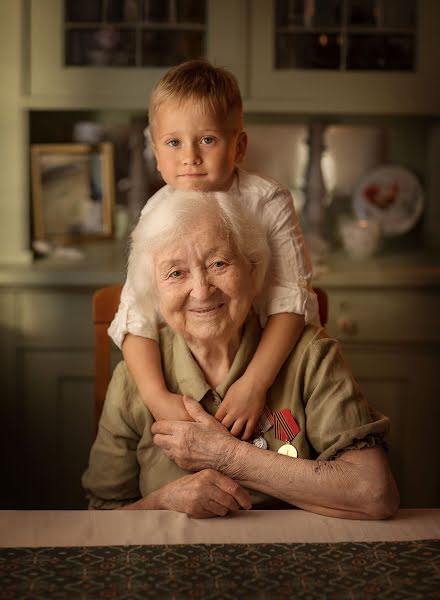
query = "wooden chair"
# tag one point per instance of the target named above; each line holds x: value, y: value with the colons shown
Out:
x: 105, y: 303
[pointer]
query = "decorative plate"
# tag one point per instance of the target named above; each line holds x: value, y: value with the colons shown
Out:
x: 390, y: 195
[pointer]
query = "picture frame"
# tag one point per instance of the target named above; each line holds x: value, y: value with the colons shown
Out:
x: 72, y: 192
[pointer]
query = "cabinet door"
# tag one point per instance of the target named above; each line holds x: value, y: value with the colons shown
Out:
x: 403, y: 384
x: 51, y: 409
x: 8, y: 404
x: 54, y: 84
x: 390, y: 338
x: 356, y: 90
x: 57, y: 425
x: 53, y: 361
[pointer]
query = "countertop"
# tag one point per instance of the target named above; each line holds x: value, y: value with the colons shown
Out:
x: 104, y: 263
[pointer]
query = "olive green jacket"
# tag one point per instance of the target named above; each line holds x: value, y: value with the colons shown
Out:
x: 314, y: 383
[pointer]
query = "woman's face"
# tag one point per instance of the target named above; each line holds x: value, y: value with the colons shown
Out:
x: 205, y: 290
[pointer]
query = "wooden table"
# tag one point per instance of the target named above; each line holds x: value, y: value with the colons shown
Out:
x: 254, y: 554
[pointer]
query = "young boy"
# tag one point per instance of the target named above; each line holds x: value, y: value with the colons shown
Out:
x: 196, y: 124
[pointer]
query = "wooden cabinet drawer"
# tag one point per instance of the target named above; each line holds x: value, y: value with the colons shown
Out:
x: 384, y: 315
x: 55, y: 318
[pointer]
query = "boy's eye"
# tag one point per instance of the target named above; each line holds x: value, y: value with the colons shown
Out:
x: 173, y: 143
x: 207, y: 139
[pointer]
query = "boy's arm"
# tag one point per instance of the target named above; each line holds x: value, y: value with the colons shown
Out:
x: 245, y: 399
x: 279, y: 337
x: 142, y: 356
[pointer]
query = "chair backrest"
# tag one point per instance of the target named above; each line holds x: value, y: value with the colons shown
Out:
x: 322, y: 304
x: 105, y: 304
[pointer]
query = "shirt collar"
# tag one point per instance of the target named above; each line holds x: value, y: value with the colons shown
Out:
x: 189, y: 376
x: 235, y: 185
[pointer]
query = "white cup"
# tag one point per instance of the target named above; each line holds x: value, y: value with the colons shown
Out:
x: 361, y: 239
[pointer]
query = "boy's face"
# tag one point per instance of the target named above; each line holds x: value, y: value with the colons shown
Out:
x: 196, y: 150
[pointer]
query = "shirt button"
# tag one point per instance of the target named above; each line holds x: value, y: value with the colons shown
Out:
x: 302, y: 281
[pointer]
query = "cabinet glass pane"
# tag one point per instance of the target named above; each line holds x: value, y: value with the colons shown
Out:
x: 399, y: 14
x: 327, y: 13
x: 289, y: 12
x: 345, y: 34
x: 191, y: 11
x: 167, y: 48
x: 156, y: 10
x: 100, y: 47
x: 363, y: 13
x: 391, y: 14
x: 118, y: 11
x: 306, y: 13
x: 83, y: 10
x: 380, y: 52
x: 139, y: 33
x: 307, y: 51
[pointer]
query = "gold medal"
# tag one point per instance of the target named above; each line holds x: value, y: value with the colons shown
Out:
x: 288, y: 450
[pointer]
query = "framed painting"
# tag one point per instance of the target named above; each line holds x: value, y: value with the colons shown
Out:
x: 72, y: 191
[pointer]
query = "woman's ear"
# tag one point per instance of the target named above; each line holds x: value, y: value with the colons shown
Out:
x: 240, y: 150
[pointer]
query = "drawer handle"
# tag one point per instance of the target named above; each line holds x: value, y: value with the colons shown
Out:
x: 347, y: 325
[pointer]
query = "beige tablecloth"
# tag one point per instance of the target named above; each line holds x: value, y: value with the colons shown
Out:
x: 106, y: 528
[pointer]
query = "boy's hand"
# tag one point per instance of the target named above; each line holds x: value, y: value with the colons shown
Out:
x: 241, y: 408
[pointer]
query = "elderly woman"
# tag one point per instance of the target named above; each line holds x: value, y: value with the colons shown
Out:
x: 203, y: 261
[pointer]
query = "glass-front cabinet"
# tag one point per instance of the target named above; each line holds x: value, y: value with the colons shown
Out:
x: 325, y: 56
x: 112, y: 51
x: 133, y: 33
x: 345, y: 55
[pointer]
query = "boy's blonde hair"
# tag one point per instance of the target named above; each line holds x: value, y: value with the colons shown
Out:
x: 211, y: 88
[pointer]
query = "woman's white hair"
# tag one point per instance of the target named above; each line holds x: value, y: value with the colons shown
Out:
x: 179, y: 212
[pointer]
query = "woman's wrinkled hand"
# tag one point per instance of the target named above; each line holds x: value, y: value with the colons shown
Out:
x: 194, y: 446
x: 204, y: 494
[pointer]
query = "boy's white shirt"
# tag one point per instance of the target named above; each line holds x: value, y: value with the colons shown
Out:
x: 288, y: 286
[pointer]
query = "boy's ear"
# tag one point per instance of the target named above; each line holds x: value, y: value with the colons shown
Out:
x: 240, y: 150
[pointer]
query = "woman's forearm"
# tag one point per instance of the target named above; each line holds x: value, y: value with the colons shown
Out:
x: 346, y: 487
x: 150, y: 502
x: 357, y: 484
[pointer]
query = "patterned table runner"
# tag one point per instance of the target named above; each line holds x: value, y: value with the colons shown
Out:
x: 380, y: 570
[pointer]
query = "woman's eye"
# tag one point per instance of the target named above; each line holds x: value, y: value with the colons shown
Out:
x: 218, y: 264
x: 207, y: 139
x: 173, y: 143
x: 175, y: 274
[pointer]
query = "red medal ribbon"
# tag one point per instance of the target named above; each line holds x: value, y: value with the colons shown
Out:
x: 268, y: 414
x: 285, y: 426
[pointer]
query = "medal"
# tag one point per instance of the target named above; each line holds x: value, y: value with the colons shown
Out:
x: 265, y: 421
x: 285, y: 429
x: 288, y: 450
x: 260, y: 442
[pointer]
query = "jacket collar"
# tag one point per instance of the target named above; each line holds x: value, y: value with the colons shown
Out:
x: 190, y: 377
